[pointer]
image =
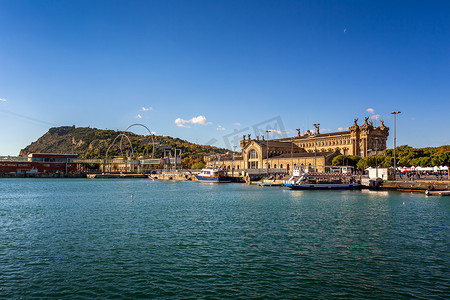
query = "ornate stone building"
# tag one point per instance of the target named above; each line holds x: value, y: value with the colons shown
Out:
x: 281, y: 154
x: 310, y: 149
x: 362, y: 140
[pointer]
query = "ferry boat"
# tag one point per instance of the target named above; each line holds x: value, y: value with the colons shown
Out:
x: 334, y: 180
x: 213, y: 175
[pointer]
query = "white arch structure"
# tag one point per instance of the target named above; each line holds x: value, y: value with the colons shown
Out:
x: 120, y: 147
x: 122, y: 135
x: 149, y: 132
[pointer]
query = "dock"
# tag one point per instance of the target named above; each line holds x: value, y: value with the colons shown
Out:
x: 109, y: 176
x: 417, y: 185
x: 269, y: 182
x: 437, y: 193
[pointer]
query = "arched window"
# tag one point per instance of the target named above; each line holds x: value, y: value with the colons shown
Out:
x: 253, y: 154
x: 275, y: 166
x: 281, y: 166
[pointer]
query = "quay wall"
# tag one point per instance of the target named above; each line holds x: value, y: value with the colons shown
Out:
x: 103, y: 176
x: 416, y: 185
x: 41, y: 175
x: 184, y: 176
x: 173, y: 176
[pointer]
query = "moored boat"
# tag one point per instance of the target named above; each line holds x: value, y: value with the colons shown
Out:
x: 322, y: 181
x: 213, y: 175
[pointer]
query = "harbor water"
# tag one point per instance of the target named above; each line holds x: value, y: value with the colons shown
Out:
x: 138, y: 238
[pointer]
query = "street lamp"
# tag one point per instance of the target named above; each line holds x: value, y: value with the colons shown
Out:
x: 315, y: 146
x: 395, y: 113
x: 376, y: 157
x: 232, y: 170
x: 267, y: 150
x: 292, y: 156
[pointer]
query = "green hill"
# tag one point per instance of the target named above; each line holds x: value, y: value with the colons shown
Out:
x: 93, y: 143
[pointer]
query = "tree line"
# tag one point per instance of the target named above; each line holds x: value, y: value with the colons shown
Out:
x: 406, y: 156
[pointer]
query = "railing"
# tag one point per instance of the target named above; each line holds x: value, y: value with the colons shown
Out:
x: 106, y: 161
x: 262, y: 171
x: 153, y: 161
x: 114, y: 161
x: 14, y: 158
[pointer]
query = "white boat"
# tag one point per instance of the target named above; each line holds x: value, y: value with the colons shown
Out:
x: 213, y: 175
x: 302, y: 180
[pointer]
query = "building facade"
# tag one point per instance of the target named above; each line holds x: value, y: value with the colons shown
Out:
x: 312, y: 150
x: 364, y: 140
x: 40, y: 163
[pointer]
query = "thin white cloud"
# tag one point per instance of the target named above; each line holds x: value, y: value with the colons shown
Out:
x: 138, y: 116
x: 146, y: 108
x: 370, y: 111
x: 220, y: 128
x: 343, y: 128
x: 3, y: 100
x: 195, y: 120
x: 237, y: 124
x: 375, y: 117
x: 275, y: 131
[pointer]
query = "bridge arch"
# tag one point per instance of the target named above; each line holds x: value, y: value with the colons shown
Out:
x: 149, y: 132
x: 120, y: 146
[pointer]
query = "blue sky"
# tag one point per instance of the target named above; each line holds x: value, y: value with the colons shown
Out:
x: 210, y: 71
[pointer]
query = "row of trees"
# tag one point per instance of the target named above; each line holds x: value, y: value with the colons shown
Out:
x: 406, y: 157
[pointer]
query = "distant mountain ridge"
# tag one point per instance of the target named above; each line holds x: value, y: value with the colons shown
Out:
x: 93, y: 143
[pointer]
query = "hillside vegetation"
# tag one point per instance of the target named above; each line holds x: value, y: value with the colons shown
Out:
x: 93, y: 143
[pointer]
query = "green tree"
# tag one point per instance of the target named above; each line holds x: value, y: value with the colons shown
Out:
x: 404, y: 162
x: 436, y: 160
x: 198, y: 165
x: 425, y: 161
x: 445, y: 158
x: 415, y: 161
x: 388, y: 161
x: 363, y: 163
x: 345, y: 160
x: 366, y: 162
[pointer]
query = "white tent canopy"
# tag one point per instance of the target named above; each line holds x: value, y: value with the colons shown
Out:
x: 424, y: 169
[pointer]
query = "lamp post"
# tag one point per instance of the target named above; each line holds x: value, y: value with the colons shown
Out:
x: 267, y: 151
x: 232, y: 170
x: 395, y: 113
x: 376, y: 157
x: 315, y: 146
x: 292, y: 156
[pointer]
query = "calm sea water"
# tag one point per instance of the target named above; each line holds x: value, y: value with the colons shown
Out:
x: 79, y: 238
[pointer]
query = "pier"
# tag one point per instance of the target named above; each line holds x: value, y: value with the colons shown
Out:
x: 417, y: 186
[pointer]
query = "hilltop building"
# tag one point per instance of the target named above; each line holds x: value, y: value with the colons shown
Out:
x: 311, y: 149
